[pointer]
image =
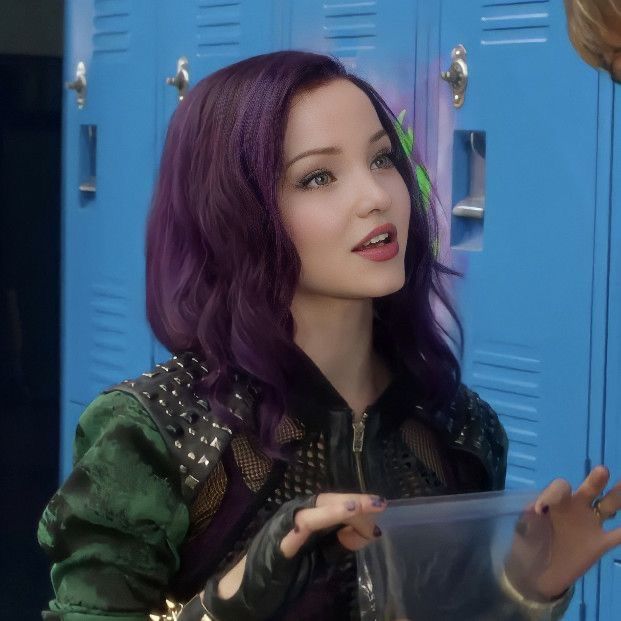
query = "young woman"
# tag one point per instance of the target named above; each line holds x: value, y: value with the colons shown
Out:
x: 291, y: 266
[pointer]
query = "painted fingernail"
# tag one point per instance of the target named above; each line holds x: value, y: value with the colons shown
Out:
x: 350, y: 505
x: 545, y: 509
x: 377, y: 532
x: 378, y: 501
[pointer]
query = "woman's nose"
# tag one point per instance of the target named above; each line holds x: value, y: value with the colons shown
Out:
x: 370, y: 195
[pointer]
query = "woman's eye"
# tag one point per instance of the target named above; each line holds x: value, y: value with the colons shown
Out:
x: 323, y: 174
x: 386, y: 158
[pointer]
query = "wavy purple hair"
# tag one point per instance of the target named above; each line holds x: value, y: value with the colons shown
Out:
x: 216, y: 244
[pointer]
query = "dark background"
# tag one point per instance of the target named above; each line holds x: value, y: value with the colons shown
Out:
x: 31, y: 84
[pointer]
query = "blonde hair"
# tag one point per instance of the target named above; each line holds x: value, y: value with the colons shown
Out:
x: 587, y: 24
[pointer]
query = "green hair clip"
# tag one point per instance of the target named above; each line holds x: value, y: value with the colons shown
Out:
x: 422, y: 176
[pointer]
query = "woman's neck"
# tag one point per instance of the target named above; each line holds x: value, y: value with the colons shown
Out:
x: 337, y: 335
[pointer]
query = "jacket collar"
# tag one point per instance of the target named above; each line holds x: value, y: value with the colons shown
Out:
x: 312, y: 399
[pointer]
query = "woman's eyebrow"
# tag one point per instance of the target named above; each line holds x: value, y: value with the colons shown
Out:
x: 333, y: 150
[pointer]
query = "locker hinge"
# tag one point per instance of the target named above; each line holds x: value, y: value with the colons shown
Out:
x: 587, y: 466
x: 582, y: 611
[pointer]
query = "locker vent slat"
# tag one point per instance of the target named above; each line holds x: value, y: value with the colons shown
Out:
x: 111, y: 27
x: 510, y: 383
x: 218, y: 28
x: 350, y: 26
x: 511, y: 23
x: 109, y: 324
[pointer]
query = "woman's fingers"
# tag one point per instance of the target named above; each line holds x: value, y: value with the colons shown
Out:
x: 351, y: 539
x: 594, y: 484
x: 327, y: 513
x: 611, y: 502
x: 556, y: 494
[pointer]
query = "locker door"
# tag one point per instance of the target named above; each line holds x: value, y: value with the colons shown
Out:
x: 610, y: 591
x: 108, y: 150
x: 210, y: 34
x: 526, y: 298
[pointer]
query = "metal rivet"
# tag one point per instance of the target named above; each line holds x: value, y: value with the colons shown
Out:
x: 216, y: 444
x: 191, y: 455
x: 178, y: 444
x: 191, y: 482
x: 203, y: 460
x: 174, y: 430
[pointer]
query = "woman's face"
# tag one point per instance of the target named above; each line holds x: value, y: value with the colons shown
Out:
x: 332, y: 202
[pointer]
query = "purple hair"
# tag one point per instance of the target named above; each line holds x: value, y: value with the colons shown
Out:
x: 216, y: 244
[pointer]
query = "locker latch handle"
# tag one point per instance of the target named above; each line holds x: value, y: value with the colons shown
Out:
x: 181, y: 80
x: 79, y: 85
x: 457, y: 75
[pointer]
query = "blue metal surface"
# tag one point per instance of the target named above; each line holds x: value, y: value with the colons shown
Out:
x: 529, y: 295
x: 105, y: 337
x: 610, y: 587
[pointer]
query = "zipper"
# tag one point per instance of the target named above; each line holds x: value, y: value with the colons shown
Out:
x: 357, y: 446
x: 368, y: 609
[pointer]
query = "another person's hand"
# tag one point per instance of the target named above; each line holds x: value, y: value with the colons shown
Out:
x: 281, y: 558
x: 563, y: 536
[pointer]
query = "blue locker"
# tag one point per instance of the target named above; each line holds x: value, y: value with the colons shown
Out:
x: 108, y: 153
x: 533, y: 296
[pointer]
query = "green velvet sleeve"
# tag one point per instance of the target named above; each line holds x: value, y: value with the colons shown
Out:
x: 114, y: 527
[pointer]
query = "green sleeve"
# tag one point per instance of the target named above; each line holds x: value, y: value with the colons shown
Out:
x: 114, y: 527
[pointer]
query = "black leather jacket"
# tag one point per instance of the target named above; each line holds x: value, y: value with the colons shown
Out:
x: 400, y: 449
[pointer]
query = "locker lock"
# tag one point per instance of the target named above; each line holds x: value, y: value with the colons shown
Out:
x: 457, y: 75
x: 182, y: 78
x: 79, y: 85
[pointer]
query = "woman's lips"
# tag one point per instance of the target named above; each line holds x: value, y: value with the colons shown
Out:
x: 380, y: 253
x: 388, y: 228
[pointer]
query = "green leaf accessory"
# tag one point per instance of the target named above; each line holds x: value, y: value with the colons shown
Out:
x: 422, y: 176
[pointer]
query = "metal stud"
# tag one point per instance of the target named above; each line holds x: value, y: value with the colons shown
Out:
x: 216, y: 444
x: 204, y: 404
x: 203, y: 460
x: 191, y: 482
x: 164, y: 387
x: 191, y: 431
x: 183, y: 469
x: 174, y: 430
x: 204, y: 368
x: 150, y: 374
x: 178, y: 444
x: 174, y: 393
x: 191, y: 455
x: 149, y: 395
x: 162, y: 402
x: 164, y: 367
x: 179, y: 364
x: 191, y: 417
x: 176, y: 379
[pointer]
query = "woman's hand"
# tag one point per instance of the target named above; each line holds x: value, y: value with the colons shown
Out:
x: 281, y: 558
x: 564, y: 537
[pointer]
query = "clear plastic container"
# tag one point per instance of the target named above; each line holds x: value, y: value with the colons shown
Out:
x: 442, y: 558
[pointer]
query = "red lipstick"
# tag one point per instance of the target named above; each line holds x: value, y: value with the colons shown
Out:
x: 384, y: 250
